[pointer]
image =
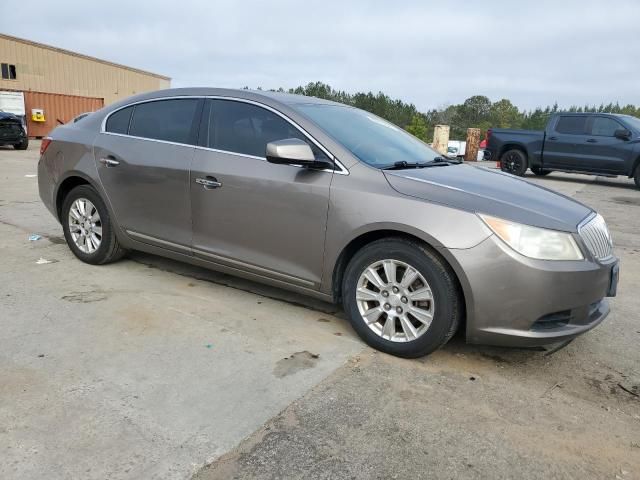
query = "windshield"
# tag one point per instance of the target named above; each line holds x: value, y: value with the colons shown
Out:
x: 633, y: 121
x: 370, y: 138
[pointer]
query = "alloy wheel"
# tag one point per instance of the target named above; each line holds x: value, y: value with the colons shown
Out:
x: 85, y: 225
x: 512, y: 162
x: 395, y: 300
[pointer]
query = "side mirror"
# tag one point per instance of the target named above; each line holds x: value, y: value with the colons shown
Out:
x: 622, y: 134
x: 293, y: 151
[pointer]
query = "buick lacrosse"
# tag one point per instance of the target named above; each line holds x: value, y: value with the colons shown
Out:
x: 334, y: 202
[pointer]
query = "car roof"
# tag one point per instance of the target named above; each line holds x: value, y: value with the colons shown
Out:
x: 578, y: 114
x: 281, y: 97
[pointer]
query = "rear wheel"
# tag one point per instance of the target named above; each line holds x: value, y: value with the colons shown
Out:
x: 514, y: 161
x: 22, y: 145
x: 401, y: 298
x: 540, y: 172
x: 87, y: 227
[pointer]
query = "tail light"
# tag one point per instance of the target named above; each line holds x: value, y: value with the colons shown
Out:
x: 489, y: 132
x: 46, y: 141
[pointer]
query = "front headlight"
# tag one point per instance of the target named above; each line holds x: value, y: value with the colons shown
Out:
x: 534, y: 242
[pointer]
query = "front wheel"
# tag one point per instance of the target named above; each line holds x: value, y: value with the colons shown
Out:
x: 636, y: 176
x: 514, y: 162
x: 87, y: 227
x: 23, y: 145
x: 401, y: 298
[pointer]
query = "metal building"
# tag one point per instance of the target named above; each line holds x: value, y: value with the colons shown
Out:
x: 56, y: 84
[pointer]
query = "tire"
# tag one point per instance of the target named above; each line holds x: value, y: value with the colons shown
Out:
x: 445, y: 306
x: 108, y: 249
x: 22, y: 145
x: 636, y: 176
x: 514, y: 161
x: 540, y: 172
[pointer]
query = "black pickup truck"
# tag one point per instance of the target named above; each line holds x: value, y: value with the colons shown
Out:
x: 592, y: 143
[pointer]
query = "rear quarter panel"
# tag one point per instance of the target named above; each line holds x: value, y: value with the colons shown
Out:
x: 530, y: 141
x: 69, y: 154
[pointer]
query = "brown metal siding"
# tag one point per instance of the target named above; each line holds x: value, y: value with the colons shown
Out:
x: 57, y: 109
x: 42, y: 68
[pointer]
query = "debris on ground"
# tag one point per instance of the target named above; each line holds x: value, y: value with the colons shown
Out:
x: 34, y: 237
x: 551, y: 388
x: 630, y: 392
x: 44, y: 261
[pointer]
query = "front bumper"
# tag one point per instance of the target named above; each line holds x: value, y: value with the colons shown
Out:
x: 516, y: 301
x: 12, y: 139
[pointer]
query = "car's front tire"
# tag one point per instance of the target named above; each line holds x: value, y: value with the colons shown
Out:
x: 87, y: 227
x: 22, y: 145
x: 636, y: 176
x: 514, y: 161
x: 401, y: 297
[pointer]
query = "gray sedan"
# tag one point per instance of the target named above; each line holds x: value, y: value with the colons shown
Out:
x: 333, y: 202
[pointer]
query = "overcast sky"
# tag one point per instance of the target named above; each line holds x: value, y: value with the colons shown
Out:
x: 429, y: 53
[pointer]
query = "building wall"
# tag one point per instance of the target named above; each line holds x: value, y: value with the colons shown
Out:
x: 47, y: 69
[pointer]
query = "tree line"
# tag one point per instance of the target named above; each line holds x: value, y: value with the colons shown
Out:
x: 477, y: 111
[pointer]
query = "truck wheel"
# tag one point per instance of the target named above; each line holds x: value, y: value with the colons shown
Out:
x: 540, y: 172
x: 401, y: 298
x: 514, y: 162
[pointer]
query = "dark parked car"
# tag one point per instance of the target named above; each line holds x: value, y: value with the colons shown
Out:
x: 334, y: 202
x: 593, y: 143
x: 12, y: 131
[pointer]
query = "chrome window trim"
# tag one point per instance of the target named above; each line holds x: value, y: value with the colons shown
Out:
x: 340, y: 170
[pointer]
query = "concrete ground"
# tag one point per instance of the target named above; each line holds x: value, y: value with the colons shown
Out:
x: 152, y: 369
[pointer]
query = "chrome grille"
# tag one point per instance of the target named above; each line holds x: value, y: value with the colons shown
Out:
x: 596, y: 237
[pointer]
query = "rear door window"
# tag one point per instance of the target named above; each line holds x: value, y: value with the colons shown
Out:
x: 240, y: 127
x: 572, y: 124
x: 168, y: 120
x: 604, y: 127
x: 119, y: 121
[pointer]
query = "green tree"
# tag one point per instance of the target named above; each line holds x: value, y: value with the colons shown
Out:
x: 418, y: 127
x: 477, y: 111
x: 503, y: 114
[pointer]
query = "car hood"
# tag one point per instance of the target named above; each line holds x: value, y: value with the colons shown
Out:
x: 491, y: 192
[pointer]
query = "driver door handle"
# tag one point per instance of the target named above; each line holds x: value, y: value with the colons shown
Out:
x: 208, y: 183
x: 592, y: 140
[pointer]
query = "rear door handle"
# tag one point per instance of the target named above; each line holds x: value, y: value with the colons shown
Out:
x: 552, y: 138
x: 592, y: 140
x: 109, y: 161
x: 208, y: 183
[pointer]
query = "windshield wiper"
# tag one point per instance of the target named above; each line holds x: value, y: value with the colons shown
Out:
x: 402, y: 165
x: 446, y: 160
x: 436, y: 162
